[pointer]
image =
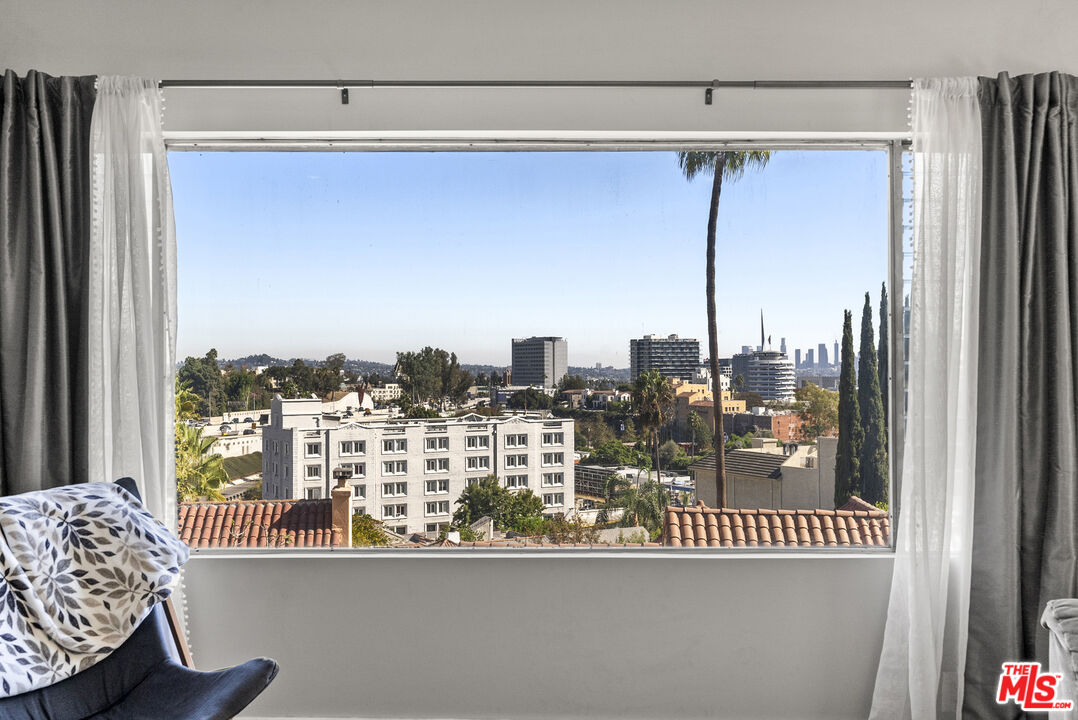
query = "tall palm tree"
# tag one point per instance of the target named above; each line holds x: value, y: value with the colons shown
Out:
x: 721, y: 166
x: 653, y: 397
x: 200, y: 473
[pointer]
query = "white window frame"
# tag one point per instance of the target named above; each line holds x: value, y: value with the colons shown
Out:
x: 556, y: 438
x: 395, y: 467
x: 359, y: 492
x: 475, y: 463
x: 516, y: 482
x: 516, y: 461
x: 307, y: 472
x: 307, y: 449
x: 440, y: 443
x: 441, y: 507
x: 555, y: 479
x: 555, y: 500
x: 398, y: 511
x: 553, y: 459
x: 397, y: 446
x: 440, y: 487
x: 396, y: 489
x: 356, y: 447
x: 477, y: 445
x: 440, y: 465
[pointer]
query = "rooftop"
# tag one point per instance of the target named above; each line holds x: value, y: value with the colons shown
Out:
x: 727, y: 527
x: 258, y: 523
x: 756, y: 463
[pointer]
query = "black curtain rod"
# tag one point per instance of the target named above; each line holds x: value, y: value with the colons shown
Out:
x: 702, y: 84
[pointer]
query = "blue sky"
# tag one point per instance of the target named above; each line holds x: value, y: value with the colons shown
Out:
x: 303, y: 254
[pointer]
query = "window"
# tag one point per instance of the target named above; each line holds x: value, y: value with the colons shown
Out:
x: 810, y: 214
x: 512, y: 441
x: 552, y: 479
x: 439, y: 507
x: 353, y: 447
x: 359, y: 510
x: 398, y: 445
x: 477, y: 462
x: 435, y: 444
x: 477, y: 442
x: 395, y: 512
x: 359, y: 492
x: 553, y: 499
x: 436, y: 527
x: 432, y: 487
x: 472, y: 481
x: 395, y: 467
x: 394, y: 489
x: 437, y: 465
x: 314, y: 493
x: 358, y: 469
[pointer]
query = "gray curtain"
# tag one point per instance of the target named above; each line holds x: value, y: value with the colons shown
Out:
x: 44, y: 236
x: 1025, y: 544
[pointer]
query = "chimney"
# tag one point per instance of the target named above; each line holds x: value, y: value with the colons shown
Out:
x: 342, y: 509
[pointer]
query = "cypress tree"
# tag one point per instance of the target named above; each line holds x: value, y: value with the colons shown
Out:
x: 883, y: 369
x: 870, y: 404
x: 847, y: 459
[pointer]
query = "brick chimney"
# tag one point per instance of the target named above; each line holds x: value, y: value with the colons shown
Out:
x: 342, y: 513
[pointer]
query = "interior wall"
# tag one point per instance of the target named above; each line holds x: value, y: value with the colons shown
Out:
x: 682, y: 636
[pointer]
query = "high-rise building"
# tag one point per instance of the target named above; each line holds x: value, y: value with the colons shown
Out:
x: 823, y: 353
x: 541, y: 361
x: 835, y: 357
x: 771, y: 375
x: 797, y: 358
x: 810, y: 355
x: 782, y: 346
x: 673, y: 356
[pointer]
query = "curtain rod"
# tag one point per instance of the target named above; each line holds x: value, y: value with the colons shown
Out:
x: 707, y: 85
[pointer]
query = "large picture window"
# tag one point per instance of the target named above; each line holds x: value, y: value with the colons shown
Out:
x: 546, y: 308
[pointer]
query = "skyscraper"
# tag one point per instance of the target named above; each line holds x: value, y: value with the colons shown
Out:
x: 797, y: 358
x: 540, y: 360
x: 809, y: 355
x: 672, y: 356
x: 834, y: 357
x: 782, y: 346
x: 823, y: 353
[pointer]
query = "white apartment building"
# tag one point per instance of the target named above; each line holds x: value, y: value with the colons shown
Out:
x: 409, y: 473
x: 385, y: 393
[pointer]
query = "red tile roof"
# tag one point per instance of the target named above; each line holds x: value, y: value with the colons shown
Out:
x: 707, y: 527
x: 856, y: 503
x: 258, y: 523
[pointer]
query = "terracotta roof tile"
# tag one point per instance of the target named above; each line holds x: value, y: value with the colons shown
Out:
x: 258, y: 523
x: 707, y: 527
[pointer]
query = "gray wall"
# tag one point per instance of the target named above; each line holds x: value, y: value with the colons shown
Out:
x: 461, y: 636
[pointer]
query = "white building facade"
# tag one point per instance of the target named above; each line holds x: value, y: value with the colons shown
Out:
x: 410, y: 473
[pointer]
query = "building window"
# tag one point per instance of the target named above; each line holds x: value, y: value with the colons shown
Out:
x: 358, y: 469
x: 554, y: 438
x: 516, y: 441
x: 394, y: 489
x: 435, y: 444
x: 553, y: 458
x: 312, y: 450
x: 514, y: 461
x: 437, y: 465
x: 477, y: 442
x: 313, y: 472
x: 436, y: 527
x: 439, y: 507
x: 400, y: 529
x: 359, y: 492
x: 436, y: 487
x: 394, y: 511
x: 395, y: 467
x: 478, y: 462
x: 398, y: 445
x: 472, y: 481
x: 553, y: 499
x: 361, y: 510
x: 353, y: 447
x: 552, y: 479
x: 314, y: 493
x: 516, y: 481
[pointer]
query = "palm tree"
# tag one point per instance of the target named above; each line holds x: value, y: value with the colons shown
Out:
x: 642, y: 505
x: 729, y: 166
x: 199, y: 472
x: 653, y: 398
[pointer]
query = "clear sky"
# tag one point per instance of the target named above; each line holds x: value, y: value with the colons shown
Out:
x: 303, y: 254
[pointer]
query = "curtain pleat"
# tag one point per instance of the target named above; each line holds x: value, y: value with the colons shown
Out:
x: 44, y: 241
x: 1026, y: 508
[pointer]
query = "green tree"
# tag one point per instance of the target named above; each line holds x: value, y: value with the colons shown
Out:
x: 594, y: 431
x: 432, y: 374
x: 367, y: 532
x: 883, y: 367
x: 571, y: 382
x: 643, y: 505
x: 850, y: 434
x: 870, y: 404
x: 530, y: 399
x: 819, y: 410
x: 653, y: 398
x: 668, y: 452
x: 506, y: 508
x: 238, y: 384
x: 752, y: 399
x: 699, y: 432
x: 203, y: 377
x: 200, y: 473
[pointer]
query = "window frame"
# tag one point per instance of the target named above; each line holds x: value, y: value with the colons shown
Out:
x: 893, y: 143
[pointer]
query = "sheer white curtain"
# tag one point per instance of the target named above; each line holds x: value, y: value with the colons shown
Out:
x: 925, y: 639
x: 132, y: 343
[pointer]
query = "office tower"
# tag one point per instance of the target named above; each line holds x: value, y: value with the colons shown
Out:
x: 782, y: 346
x: 823, y: 353
x: 835, y: 357
x: 797, y: 358
x: 810, y: 358
x: 771, y: 375
x: 745, y: 350
x: 672, y: 356
x: 541, y: 361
